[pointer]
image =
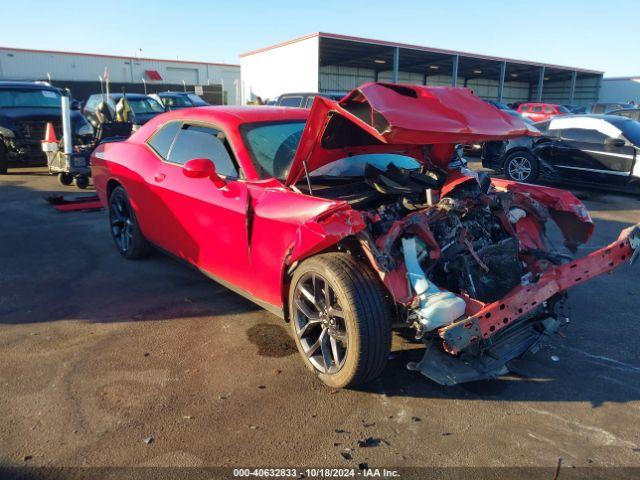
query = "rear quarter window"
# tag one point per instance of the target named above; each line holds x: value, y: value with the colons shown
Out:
x: 162, y: 139
x: 291, y: 102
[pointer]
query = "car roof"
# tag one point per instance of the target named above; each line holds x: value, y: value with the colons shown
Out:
x: 34, y: 85
x: 233, y: 116
x: 119, y: 95
x: 540, y: 103
x: 612, y: 119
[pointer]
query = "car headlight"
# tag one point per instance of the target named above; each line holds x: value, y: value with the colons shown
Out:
x: 5, y: 132
x: 85, y: 129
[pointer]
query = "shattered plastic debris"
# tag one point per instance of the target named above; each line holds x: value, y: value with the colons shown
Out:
x: 148, y: 440
x: 346, y: 455
x: 369, y: 442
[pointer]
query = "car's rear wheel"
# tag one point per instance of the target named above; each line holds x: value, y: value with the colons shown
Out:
x: 4, y: 158
x: 339, y: 319
x: 521, y: 167
x: 125, y: 231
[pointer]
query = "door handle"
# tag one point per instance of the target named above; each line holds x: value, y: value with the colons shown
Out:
x: 158, y: 177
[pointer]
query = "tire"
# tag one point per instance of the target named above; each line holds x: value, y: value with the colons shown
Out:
x: 125, y: 231
x: 358, y: 314
x: 4, y: 159
x: 82, y: 182
x: 65, y: 179
x: 521, y: 167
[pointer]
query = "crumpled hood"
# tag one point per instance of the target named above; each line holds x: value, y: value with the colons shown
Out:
x: 398, y: 117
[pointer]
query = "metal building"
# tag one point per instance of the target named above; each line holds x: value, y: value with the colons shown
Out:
x: 620, y: 89
x: 326, y: 62
x: 80, y: 71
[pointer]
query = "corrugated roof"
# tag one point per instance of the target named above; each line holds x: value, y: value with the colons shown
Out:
x: 415, y: 47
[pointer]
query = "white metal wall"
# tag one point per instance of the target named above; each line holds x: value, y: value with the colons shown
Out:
x: 286, y: 69
x: 27, y: 65
x: 620, y: 90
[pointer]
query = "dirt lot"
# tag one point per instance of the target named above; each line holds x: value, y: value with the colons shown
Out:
x: 98, y: 353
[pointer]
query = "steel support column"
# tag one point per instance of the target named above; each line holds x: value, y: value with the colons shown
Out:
x: 396, y: 65
x: 454, y: 71
x: 572, y: 90
x: 503, y: 72
x: 540, y: 85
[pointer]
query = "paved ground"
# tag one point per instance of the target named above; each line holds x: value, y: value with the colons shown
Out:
x: 98, y: 353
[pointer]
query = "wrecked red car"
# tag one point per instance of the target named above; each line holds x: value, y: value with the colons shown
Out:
x: 355, y: 218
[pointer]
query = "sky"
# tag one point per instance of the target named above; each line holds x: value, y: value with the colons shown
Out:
x: 593, y: 34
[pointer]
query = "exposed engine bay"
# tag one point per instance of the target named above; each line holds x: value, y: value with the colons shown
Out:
x: 459, y: 254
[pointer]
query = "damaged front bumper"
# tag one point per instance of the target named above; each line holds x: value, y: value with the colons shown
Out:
x: 481, y: 345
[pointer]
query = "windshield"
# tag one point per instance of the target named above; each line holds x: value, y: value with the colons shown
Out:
x: 177, y: 101
x: 272, y: 146
x: 197, y: 101
x: 144, y: 105
x: 29, y: 97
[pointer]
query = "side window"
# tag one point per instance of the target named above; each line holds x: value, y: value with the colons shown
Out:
x: 291, y: 102
x: 537, y: 109
x: 583, y: 135
x: 549, y: 110
x: 524, y: 108
x: 196, y: 141
x: 310, y: 101
x: 162, y: 139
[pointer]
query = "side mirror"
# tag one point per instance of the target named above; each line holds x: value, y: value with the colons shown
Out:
x: 612, y: 143
x: 203, y: 168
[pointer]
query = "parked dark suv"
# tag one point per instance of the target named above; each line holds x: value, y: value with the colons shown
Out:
x: 25, y: 109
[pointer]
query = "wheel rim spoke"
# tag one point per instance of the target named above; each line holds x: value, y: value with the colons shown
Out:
x: 314, y: 348
x: 334, y: 351
x: 308, y: 295
x: 325, y: 348
x: 306, y: 311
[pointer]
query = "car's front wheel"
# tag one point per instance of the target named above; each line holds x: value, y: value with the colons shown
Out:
x: 339, y: 319
x: 521, y: 167
x: 125, y: 231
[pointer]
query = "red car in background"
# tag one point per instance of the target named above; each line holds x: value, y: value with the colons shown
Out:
x: 539, y: 112
x: 354, y: 218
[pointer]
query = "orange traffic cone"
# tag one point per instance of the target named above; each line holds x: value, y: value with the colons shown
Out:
x: 50, y: 142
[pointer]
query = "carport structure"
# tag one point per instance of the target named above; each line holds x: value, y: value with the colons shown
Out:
x: 343, y: 63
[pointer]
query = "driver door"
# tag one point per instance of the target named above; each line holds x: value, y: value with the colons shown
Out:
x: 207, y: 225
x: 588, y: 155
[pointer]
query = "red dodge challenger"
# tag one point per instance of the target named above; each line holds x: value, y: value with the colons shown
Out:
x: 357, y: 217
